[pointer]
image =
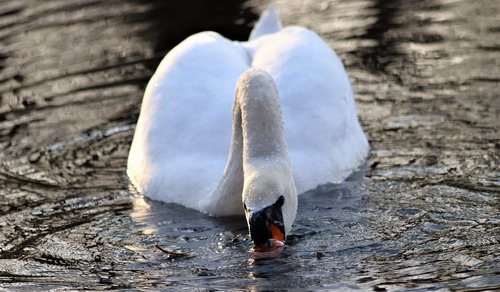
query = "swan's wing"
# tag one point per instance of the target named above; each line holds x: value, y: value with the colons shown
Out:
x: 269, y: 22
x: 183, y: 134
x: 324, y: 138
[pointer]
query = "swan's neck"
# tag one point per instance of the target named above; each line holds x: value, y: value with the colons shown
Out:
x: 261, y: 123
x: 258, y: 143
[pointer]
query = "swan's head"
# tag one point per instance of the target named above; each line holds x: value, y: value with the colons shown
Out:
x: 270, y: 205
x: 269, y: 195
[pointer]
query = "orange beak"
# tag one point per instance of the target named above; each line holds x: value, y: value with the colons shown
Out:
x: 276, y: 233
x: 276, y: 241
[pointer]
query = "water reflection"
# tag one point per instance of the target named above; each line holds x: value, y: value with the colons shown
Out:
x: 141, y: 213
x: 179, y: 228
x: 221, y: 246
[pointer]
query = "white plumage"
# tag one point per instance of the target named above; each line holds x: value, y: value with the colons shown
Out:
x: 183, y: 135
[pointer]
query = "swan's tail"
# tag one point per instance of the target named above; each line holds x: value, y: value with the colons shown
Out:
x: 269, y: 22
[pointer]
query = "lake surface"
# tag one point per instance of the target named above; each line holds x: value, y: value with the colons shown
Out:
x: 423, y: 213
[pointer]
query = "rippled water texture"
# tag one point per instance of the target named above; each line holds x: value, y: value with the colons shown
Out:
x: 423, y: 214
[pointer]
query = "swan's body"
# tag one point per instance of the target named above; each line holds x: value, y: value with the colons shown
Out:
x: 181, y: 148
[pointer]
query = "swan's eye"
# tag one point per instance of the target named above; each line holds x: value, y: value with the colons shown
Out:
x: 245, y: 206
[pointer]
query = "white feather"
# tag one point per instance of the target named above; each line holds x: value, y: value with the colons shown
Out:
x: 268, y: 23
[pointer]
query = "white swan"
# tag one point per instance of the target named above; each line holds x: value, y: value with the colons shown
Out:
x: 185, y: 150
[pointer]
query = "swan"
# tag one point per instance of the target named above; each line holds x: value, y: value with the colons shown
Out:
x: 241, y: 128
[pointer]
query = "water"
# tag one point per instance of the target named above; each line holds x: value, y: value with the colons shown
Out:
x: 423, y: 214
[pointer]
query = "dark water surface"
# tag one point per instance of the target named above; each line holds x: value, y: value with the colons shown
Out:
x: 424, y: 214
